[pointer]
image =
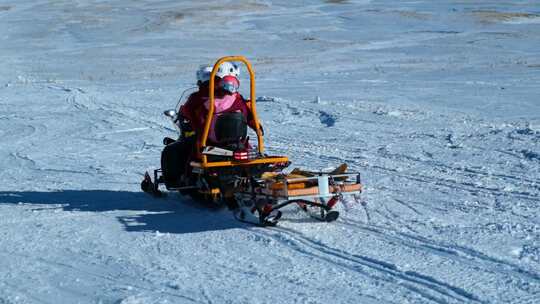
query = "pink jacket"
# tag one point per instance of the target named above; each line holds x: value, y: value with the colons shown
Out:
x: 196, y: 109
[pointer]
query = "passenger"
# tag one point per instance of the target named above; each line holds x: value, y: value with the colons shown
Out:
x: 226, y: 99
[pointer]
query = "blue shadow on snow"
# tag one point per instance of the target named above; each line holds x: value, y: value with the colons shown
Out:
x: 172, y: 214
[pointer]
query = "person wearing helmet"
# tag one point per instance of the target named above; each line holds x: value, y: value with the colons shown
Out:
x: 194, y: 106
x: 195, y: 100
x: 227, y: 98
x: 228, y: 69
x: 176, y: 156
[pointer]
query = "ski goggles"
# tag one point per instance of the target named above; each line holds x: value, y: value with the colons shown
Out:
x: 230, y: 87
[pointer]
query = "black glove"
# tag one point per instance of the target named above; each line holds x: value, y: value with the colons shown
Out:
x: 185, y: 127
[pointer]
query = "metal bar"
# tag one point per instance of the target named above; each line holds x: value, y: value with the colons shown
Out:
x: 183, y: 188
x: 266, y: 160
x: 211, y: 97
x: 319, y: 196
x: 307, y: 178
x: 295, y: 201
x: 300, y: 197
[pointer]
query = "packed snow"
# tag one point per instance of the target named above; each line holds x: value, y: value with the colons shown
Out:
x: 434, y: 102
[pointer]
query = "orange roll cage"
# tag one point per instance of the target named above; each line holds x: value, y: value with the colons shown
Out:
x: 204, y: 136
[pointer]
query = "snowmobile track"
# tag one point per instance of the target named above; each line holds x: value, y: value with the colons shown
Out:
x: 101, y: 273
x: 458, y: 253
x: 419, y: 283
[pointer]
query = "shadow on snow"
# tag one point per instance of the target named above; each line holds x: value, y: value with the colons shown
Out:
x: 173, y: 214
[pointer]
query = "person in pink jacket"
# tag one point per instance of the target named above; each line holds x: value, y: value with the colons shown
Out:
x: 227, y: 98
x: 177, y: 155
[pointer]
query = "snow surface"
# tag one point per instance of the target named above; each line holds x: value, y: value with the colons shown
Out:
x: 435, y: 102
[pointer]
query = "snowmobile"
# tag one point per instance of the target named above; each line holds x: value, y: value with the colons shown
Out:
x: 247, y: 180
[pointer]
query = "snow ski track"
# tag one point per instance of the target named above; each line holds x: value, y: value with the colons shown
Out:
x: 306, y: 146
x: 23, y: 160
x: 431, y: 179
x: 125, y: 116
x: 416, y: 282
x: 457, y: 253
x: 457, y: 185
x: 18, y: 132
x: 446, y: 182
x: 467, y: 172
x: 102, y: 273
x: 434, y: 179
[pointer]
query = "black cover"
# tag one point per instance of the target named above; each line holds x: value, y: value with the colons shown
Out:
x: 231, y: 127
x: 174, y: 159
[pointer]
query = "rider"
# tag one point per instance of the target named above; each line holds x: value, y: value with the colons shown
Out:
x: 189, y: 110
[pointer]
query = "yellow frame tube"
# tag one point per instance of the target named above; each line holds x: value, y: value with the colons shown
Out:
x: 219, y: 164
x: 211, y: 96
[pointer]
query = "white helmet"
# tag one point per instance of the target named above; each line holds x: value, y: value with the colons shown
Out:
x: 228, y: 68
x: 203, y: 73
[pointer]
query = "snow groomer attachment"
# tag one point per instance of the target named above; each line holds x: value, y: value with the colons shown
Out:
x: 241, y: 177
x: 314, y: 192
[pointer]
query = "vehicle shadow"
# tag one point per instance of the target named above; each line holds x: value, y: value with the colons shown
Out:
x: 172, y: 214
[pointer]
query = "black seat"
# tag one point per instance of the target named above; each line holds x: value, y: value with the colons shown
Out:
x: 231, y: 129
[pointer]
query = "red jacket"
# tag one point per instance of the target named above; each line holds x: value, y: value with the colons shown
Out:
x: 191, y: 110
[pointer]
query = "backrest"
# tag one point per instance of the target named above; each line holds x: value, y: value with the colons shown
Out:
x: 231, y: 127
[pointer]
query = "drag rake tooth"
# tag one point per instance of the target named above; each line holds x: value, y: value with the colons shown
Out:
x: 331, y: 216
x: 150, y: 187
x: 263, y: 221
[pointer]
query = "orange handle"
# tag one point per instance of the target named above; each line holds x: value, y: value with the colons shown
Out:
x: 211, y: 96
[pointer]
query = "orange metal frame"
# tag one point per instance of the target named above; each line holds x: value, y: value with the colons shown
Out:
x: 253, y: 108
